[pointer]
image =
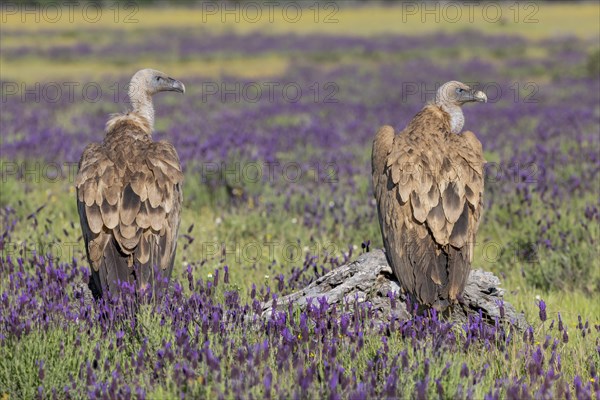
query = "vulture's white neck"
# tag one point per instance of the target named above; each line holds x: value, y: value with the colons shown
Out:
x: 457, y: 119
x: 141, y: 102
x: 144, y: 108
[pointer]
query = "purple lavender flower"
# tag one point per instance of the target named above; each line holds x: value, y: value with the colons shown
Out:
x: 542, y: 307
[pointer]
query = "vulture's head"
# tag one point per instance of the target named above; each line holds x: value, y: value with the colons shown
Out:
x: 148, y: 82
x: 454, y: 93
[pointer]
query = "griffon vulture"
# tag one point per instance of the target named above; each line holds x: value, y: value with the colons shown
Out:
x: 129, y: 195
x: 428, y: 183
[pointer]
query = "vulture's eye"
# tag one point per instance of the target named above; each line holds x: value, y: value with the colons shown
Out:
x: 460, y: 90
x: 157, y: 78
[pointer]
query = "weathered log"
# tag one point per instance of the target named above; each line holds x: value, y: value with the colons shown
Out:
x: 370, y: 279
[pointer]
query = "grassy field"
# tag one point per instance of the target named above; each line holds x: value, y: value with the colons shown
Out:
x: 275, y: 234
x: 536, y: 21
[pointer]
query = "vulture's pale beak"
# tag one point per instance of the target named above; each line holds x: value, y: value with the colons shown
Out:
x: 470, y: 95
x: 480, y: 96
x: 176, y: 86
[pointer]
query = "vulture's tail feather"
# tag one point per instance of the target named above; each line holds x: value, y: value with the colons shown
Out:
x: 150, y: 276
x: 113, y: 271
x: 459, y: 268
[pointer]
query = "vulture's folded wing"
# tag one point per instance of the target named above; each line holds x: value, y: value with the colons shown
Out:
x: 136, y: 200
x: 469, y: 164
x: 91, y: 186
x: 154, y: 203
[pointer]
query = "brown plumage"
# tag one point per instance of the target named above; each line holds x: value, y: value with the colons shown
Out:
x: 129, y: 195
x: 428, y: 183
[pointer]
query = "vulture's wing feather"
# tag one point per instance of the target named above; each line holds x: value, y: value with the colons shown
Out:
x: 163, y: 177
x: 428, y: 185
x: 92, y: 165
x: 470, y: 166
